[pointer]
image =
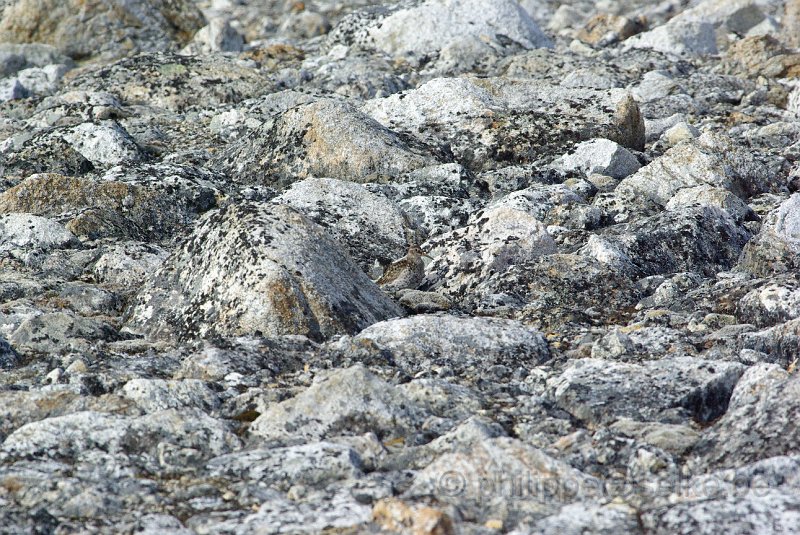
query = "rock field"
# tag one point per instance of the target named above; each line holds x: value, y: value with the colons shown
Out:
x: 426, y: 267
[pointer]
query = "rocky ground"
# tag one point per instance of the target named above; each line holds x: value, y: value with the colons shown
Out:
x: 197, y: 197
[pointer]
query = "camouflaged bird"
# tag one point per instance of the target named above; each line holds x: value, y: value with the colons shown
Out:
x: 406, y: 273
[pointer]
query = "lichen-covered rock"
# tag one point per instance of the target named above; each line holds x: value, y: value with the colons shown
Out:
x: 701, y: 239
x: 102, y: 30
x: 759, y: 423
x: 469, y: 28
x: 482, y: 479
x: 296, y: 281
x: 103, y: 144
x: 327, y: 138
x: 708, y: 160
x: 712, y: 196
x: 680, y: 388
x: 600, y: 156
x: 762, y: 55
x: 344, y: 402
x: 316, y: 463
x: 73, y: 435
x: 159, y: 202
x: 449, y: 341
x: 495, y: 239
x: 776, y: 248
x: 371, y: 227
x: 8, y: 357
x: 59, y: 332
x: 557, y: 289
x: 154, y: 395
x: 485, y: 120
x: 172, y: 81
x: 27, y: 232
x: 771, y: 304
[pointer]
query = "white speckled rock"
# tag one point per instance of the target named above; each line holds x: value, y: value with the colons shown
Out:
x: 11, y: 89
x: 496, y: 239
x: 153, y: 395
x: 343, y: 402
x: 678, y: 388
x: 369, y: 226
x: 469, y: 26
x: 30, y: 232
x: 685, y: 38
x: 776, y: 248
x: 771, y: 304
x: 601, y: 156
x: 706, y: 195
x: 483, y: 477
x: 326, y: 138
x: 459, y: 343
x: 296, y: 280
x: 105, y: 143
x: 480, y: 117
x: 708, y: 160
x: 75, y: 434
x: 307, y: 464
x: 60, y: 332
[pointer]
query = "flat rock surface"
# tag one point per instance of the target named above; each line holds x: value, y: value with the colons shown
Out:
x: 433, y: 267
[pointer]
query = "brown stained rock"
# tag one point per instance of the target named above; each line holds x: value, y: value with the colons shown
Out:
x: 791, y: 23
x: 258, y: 269
x: 762, y: 55
x: 85, y: 29
x: 105, y: 208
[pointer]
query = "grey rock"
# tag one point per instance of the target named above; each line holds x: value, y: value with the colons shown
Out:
x: 310, y: 464
x: 601, y: 156
x: 495, y: 239
x: 153, y: 395
x: 682, y: 388
x: 701, y: 239
x: 8, y: 357
x: 706, y: 195
x: 758, y: 425
x: 482, y: 119
x: 59, y: 332
x: 559, y: 288
x: 372, y: 228
x: 460, y: 344
x: 775, y: 248
x: 217, y: 36
x: 442, y: 29
x: 127, y: 264
x: 16, y: 57
x: 246, y: 358
x: 105, y: 144
x: 419, y: 302
x: 709, y: 160
x: 12, y: 88
x: 20, y: 231
x: 684, y: 38
x: 504, y: 479
x: 308, y: 140
x: 300, y: 282
x: 578, y: 518
x: 344, y: 402
x: 73, y: 435
x: 150, y: 202
x: 771, y: 304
